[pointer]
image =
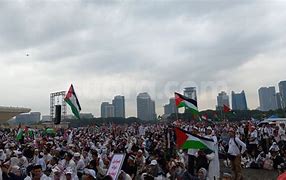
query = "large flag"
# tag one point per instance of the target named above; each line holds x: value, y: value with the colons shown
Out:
x: 188, y: 103
x: 226, y: 109
x: 186, y: 140
x: 72, y: 100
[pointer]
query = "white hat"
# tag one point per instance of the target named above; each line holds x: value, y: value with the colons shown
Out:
x: 15, y: 169
x: 68, y: 171
x: 153, y: 162
x: 76, y: 154
x: 18, y: 152
x: 274, y: 147
x: 227, y: 175
x: 195, y: 128
x: 90, y: 172
x: 209, y: 128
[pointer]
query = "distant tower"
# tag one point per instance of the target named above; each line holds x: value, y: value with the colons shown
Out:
x: 222, y: 99
x: 145, y: 107
x: 238, y: 101
x: 119, y: 106
x: 282, y: 91
x: 107, y: 110
x: 190, y: 92
x: 267, y: 98
x: 171, y: 107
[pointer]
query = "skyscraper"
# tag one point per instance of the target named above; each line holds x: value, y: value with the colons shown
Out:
x: 107, y: 110
x: 145, y: 107
x: 171, y: 107
x: 119, y: 106
x: 190, y: 92
x: 152, y: 110
x: 267, y: 98
x: 222, y: 99
x: 238, y: 101
x: 282, y: 91
x: 278, y: 100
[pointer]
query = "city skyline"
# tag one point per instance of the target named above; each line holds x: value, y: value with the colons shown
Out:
x: 109, y: 48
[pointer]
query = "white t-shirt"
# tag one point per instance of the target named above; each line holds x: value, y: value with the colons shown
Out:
x: 253, y: 136
x: 282, y: 134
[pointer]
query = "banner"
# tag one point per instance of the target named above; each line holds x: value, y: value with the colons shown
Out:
x: 115, y: 165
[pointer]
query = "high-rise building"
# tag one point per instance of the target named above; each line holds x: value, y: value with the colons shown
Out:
x: 171, y: 107
x: 107, y: 110
x: 238, y: 101
x: 145, y: 107
x: 282, y: 91
x: 278, y: 100
x: 222, y: 99
x: 119, y: 106
x: 267, y: 98
x: 190, y: 92
x: 152, y: 110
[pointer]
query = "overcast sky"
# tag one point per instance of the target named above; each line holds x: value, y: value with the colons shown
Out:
x: 125, y: 47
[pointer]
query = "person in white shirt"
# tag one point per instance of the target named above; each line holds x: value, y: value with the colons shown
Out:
x: 234, y: 152
x: 253, y: 142
x: 2, y: 156
x: 36, y: 156
x: 68, y: 162
x: 214, y: 170
x: 80, y: 165
x: 23, y: 162
x: 282, y: 135
x: 42, y: 162
x: 47, y: 156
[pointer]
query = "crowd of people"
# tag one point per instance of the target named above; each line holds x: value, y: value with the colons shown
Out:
x: 151, y: 151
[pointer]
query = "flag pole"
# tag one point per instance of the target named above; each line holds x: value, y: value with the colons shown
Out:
x: 224, y: 116
x: 221, y: 113
x: 176, y: 109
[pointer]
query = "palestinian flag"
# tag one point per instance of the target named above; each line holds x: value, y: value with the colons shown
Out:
x: 226, y: 109
x: 190, y: 104
x: 72, y: 100
x: 20, y: 134
x: 186, y: 140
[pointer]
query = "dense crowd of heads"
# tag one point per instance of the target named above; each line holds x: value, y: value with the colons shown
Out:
x: 151, y: 152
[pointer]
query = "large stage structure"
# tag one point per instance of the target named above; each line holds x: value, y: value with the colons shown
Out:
x: 58, y: 98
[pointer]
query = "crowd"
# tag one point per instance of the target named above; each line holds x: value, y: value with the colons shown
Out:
x: 151, y: 152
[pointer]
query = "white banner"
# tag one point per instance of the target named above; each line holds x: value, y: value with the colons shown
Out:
x: 115, y: 165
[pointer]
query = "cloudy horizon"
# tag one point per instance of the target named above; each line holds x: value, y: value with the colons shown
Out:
x: 124, y: 47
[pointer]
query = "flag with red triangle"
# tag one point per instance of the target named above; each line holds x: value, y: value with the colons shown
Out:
x: 72, y: 100
x: 226, y: 109
x: 186, y: 140
x: 190, y: 104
